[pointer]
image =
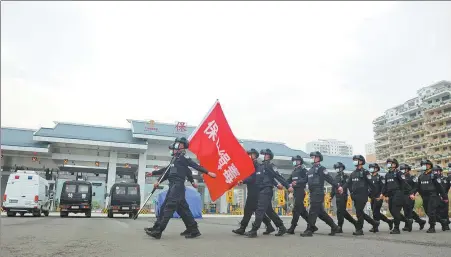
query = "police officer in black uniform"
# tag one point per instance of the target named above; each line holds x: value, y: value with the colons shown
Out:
x: 252, y: 198
x: 341, y: 199
x: 409, y: 203
x: 316, y: 177
x: 430, y: 189
x: 448, y: 178
x: 184, y: 204
x: 359, y: 183
x: 375, y: 199
x: 444, y: 205
x: 265, y: 179
x: 394, y: 187
x: 298, y: 181
x: 175, y: 199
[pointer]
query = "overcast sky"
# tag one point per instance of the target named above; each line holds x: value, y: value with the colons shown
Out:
x: 290, y: 72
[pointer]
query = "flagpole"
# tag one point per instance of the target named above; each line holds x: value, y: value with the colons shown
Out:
x: 206, y: 115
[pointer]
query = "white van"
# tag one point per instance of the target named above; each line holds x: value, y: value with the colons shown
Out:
x: 26, y: 192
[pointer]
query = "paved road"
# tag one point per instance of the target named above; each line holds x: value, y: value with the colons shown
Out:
x: 123, y: 237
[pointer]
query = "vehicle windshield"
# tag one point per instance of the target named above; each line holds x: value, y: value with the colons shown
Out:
x: 83, y: 188
x: 133, y: 190
x: 120, y: 190
x: 71, y: 188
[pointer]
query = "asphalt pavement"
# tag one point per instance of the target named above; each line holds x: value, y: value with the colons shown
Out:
x: 124, y: 237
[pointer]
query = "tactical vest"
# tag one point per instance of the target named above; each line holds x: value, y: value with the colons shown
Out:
x: 299, y: 175
x: 315, y: 180
x: 340, y: 179
x: 264, y: 178
x: 377, y: 182
x: 392, y: 182
x: 427, y: 186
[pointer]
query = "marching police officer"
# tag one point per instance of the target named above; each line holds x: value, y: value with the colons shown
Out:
x: 409, y: 203
x: 252, y: 198
x: 316, y: 177
x: 359, y: 183
x: 265, y: 179
x: 430, y: 190
x: 175, y: 199
x: 394, y: 187
x: 184, y: 204
x: 341, y: 199
x: 298, y: 181
x: 376, y: 200
x: 444, y: 206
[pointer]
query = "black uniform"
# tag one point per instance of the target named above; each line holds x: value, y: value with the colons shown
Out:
x: 265, y: 179
x: 430, y: 190
x: 183, y: 204
x: 393, y: 188
x: 299, y: 175
x: 175, y: 199
x: 341, y: 200
x: 359, y: 183
x: 251, y: 203
x: 444, y: 206
x: 376, y: 205
x: 316, y: 177
x: 409, y: 204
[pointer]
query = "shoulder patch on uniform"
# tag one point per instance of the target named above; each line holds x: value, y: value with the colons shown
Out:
x: 325, y: 171
x: 415, y: 179
x: 403, y: 176
x: 368, y: 176
x: 439, y: 180
x: 383, y: 181
x: 275, y: 168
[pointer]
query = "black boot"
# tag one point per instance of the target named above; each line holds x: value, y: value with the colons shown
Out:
x: 186, y: 232
x: 358, y: 232
x: 333, y: 230
x: 445, y: 225
x: 269, y: 230
x: 339, y: 230
x: 252, y: 233
x: 431, y: 229
x: 193, y: 233
x: 282, y: 231
x: 291, y: 229
x: 154, y: 233
x: 421, y: 223
x: 239, y: 231
x: 375, y: 228
x: 307, y: 233
x: 408, y: 225
x: 390, y: 224
x: 395, y: 231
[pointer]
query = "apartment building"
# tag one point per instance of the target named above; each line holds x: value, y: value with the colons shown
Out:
x: 370, y: 153
x: 330, y: 147
x: 417, y: 129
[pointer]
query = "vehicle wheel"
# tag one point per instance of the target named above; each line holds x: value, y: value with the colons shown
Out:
x: 10, y: 214
x: 46, y: 213
x: 64, y: 214
x: 37, y: 214
x: 22, y: 214
x: 88, y: 214
x: 110, y: 213
x: 131, y: 215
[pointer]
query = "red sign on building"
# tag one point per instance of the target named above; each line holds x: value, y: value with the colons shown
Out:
x: 150, y: 126
x: 180, y: 127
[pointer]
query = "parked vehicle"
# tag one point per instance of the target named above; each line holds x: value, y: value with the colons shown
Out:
x: 76, y: 197
x: 125, y: 198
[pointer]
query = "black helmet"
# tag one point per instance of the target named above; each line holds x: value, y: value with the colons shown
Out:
x: 393, y: 160
x: 180, y: 140
x: 253, y: 151
x: 297, y: 158
x: 267, y: 151
x: 425, y: 162
x: 437, y: 168
x: 339, y: 165
x: 359, y: 158
x: 405, y: 167
x: 317, y: 154
x: 374, y: 166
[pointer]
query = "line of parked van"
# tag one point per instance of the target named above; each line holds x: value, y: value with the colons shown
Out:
x: 27, y: 192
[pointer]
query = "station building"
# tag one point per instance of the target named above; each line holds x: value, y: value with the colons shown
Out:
x: 105, y: 155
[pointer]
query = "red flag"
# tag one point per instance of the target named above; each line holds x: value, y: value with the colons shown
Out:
x: 218, y: 150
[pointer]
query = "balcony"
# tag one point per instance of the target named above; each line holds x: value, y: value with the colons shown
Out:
x: 415, y: 131
x: 440, y: 130
x: 438, y: 105
x: 440, y: 157
x: 382, y: 144
x: 444, y: 90
x: 440, y: 143
x: 380, y: 127
x: 439, y: 118
x: 410, y: 109
x: 413, y: 120
x: 398, y: 153
x: 381, y: 135
x: 415, y: 142
x: 415, y: 155
x: 379, y: 119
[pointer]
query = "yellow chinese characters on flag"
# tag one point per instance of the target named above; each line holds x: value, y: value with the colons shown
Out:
x: 281, y: 196
x: 327, y: 201
x: 306, y: 199
x: 349, y: 203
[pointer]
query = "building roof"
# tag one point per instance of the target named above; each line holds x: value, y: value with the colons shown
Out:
x: 89, y: 132
x: 132, y: 136
x: 20, y: 137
